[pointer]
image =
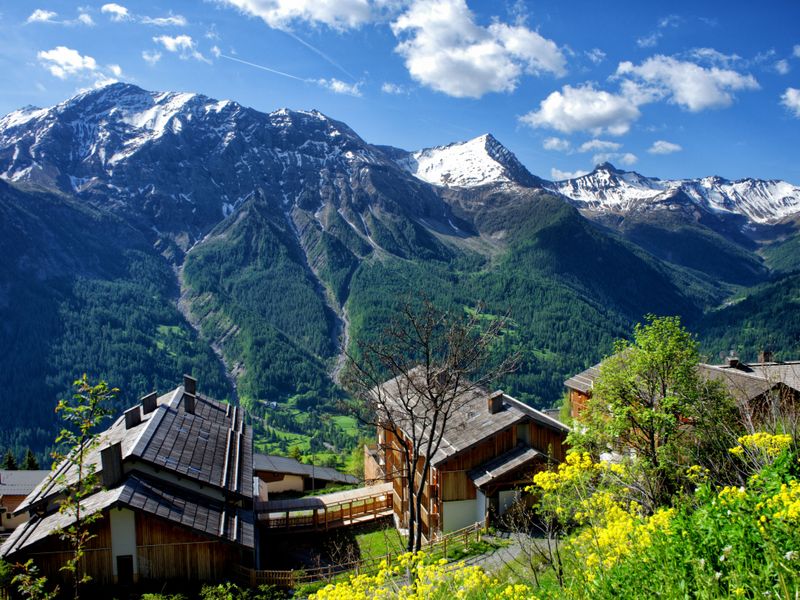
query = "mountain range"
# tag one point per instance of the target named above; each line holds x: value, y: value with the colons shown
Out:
x: 149, y: 233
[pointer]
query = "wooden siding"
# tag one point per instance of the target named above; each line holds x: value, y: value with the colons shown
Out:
x: 167, y: 552
x: 577, y: 402
x: 52, y: 553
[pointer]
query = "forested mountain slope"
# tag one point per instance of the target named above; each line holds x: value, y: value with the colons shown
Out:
x: 145, y: 234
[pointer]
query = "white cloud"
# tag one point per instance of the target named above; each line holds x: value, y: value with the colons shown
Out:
x: 626, y: 158
x: 151, y: 57
x: 117, y: 12
x: 686, y: 83
x: 48, y: 16
x: 599, y: 146
x: 557, y: 144
x: 340, y: 87
x: 558, y: 174
x: 183, y: 45
x: 664, y: 147
x: 584, y: 108
x: 796, y: 51
x: 41, y: 16
x: 104, y: 80
x: 215, y: 51
x: 648, y: 41
x: 171, y: 20
x: 393, y: 88
x: 670, y: 21
x: 791, y: 100
x: 280, y: 14
x: 116, y: 70
x: 782, y: 66
x: 596, y: 55
x: 447, y: 51
x: 63, y: 62
x: 714, y: 57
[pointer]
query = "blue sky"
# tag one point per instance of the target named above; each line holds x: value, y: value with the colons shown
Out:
x: 678, y: 89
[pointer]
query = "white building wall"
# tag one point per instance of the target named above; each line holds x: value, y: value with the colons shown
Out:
x: 289, y: 483
x: 457, y: 514
x: 481, y: 506
x: 123, y: 537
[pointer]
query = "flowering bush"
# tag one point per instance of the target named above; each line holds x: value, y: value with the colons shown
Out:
x: 762, y: 443
x: 733, y: 541
x: 416, y: 576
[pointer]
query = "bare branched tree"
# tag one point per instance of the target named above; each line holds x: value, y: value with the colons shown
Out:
x: 411, y: 383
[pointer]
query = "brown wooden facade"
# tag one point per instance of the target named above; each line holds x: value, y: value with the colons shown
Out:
x: 176, y: 499
x: 164, y: 552
x: 449, y: 480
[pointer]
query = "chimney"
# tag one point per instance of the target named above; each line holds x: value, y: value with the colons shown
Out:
x: 495, y: 401
x: 765, y: 356
x: 188, y: 403
x: 111, y: 465
x: 189, y: 384
x: 149, y: 403
x: 133, y: 416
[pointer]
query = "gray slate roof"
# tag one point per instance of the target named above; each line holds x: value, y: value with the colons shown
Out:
x: 745, y: 382
x: 20, y: 483
x: 584, y: 381
x: 290, y: 466
x: 212, y: 446
x: 503, y: 465
x: 471, y: 422
x: 155, y: 498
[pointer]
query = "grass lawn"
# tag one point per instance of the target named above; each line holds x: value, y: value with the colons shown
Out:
x: 380, y: 542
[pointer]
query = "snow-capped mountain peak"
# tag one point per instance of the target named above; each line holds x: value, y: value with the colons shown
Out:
x: 608, y: 189
x: 479, y: 161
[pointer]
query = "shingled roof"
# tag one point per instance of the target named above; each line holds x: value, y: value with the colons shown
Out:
x: 584, y: 381
x: 744, y: 381
x: 290, y: 466
x: 20, y: 483
x: 472, y: 421
x: 155, y: 498
x: 504, y: 464
x: 211, y: 445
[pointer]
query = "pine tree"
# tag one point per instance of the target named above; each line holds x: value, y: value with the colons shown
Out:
x: 30, y: 463
x: 10, y: 461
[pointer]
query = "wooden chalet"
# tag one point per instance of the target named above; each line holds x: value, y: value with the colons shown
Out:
x: 580, y: 387
x: 759, y: 388
x: 15, y: 486
x: 490, y: 448
x: 176, y: 500
x: 763, y: 390
x: 280, y: 474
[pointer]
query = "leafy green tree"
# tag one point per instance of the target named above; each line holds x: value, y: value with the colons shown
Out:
x: 81, y: 415
x: 645, y: 402
x: 10, y: 461
x: 30, y: 584
x: 30, y: 463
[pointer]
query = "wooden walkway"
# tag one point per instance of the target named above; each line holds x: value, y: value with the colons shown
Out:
x: 329, y: 511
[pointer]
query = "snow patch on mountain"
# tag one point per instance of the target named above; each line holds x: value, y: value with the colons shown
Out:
x: 479, y: 161
x: 607, y: 189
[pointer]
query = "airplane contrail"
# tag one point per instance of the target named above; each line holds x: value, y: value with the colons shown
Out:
x: 263, y: 68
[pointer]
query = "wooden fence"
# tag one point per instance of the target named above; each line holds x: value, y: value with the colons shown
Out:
x: 291, y: 579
